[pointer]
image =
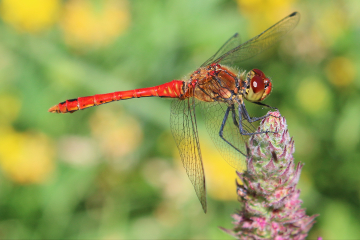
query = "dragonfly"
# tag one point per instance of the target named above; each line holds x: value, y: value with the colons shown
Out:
x: 219, y: 91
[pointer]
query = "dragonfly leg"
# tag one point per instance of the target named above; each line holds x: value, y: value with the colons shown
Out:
x: 265, y: 105
x: 221, y: 134
x: 247, y: 116
x: 233, y: 113
x: 243, y: 112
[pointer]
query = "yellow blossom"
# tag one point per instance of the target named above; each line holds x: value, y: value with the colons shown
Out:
x: 86, y: 23
x: 220, y: 176
x: 30, y: 15
x: 25, y: 157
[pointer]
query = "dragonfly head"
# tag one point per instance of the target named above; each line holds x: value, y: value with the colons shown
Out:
x: 258, y: 86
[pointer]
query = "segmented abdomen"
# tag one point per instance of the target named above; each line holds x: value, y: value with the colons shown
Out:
x: 173, y: 89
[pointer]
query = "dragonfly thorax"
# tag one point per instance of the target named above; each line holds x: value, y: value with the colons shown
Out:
x: 212, y: 83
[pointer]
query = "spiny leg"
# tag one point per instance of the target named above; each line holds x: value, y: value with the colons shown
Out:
x: 223, y: 125
x: 242, y: 111
x: 233, y: 114
x: 265, y: 105
x: 247, y: 116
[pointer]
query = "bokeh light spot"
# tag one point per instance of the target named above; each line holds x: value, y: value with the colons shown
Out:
x: 313, y: 95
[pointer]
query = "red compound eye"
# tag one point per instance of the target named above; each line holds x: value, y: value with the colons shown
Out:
x: 257, y: 84
x: 259, y: 72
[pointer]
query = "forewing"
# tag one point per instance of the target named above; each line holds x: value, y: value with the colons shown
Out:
x: 184, y: 129
x: 233, y: 42
x: 261, y: 42
x: 214, y: 116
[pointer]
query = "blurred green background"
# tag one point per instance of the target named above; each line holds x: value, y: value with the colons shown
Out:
x: 113, y: 172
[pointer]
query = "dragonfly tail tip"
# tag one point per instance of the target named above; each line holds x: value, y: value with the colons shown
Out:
x: 54, y: 109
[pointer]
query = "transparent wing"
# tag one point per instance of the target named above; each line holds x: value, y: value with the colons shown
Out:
x: 214, y: 116
x: 184, y: 129
x: 259, y: 43
x: 233, y: 42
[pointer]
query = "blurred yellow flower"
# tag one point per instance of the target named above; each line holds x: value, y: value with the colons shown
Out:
x: 30, y: 15
x: 313, y: 96
x: 263, y: 13
x: 341, y: 71
x: 119, y: 133
x: 25, y: 157
x: 220, y: 176
x: 94, y: 24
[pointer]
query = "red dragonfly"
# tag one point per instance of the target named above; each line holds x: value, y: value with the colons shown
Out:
x: 219, y: 91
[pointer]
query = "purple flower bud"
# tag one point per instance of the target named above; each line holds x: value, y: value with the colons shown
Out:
x: 271, y: 205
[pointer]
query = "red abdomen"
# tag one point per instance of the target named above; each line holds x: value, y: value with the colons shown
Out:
x: 173, y: 89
